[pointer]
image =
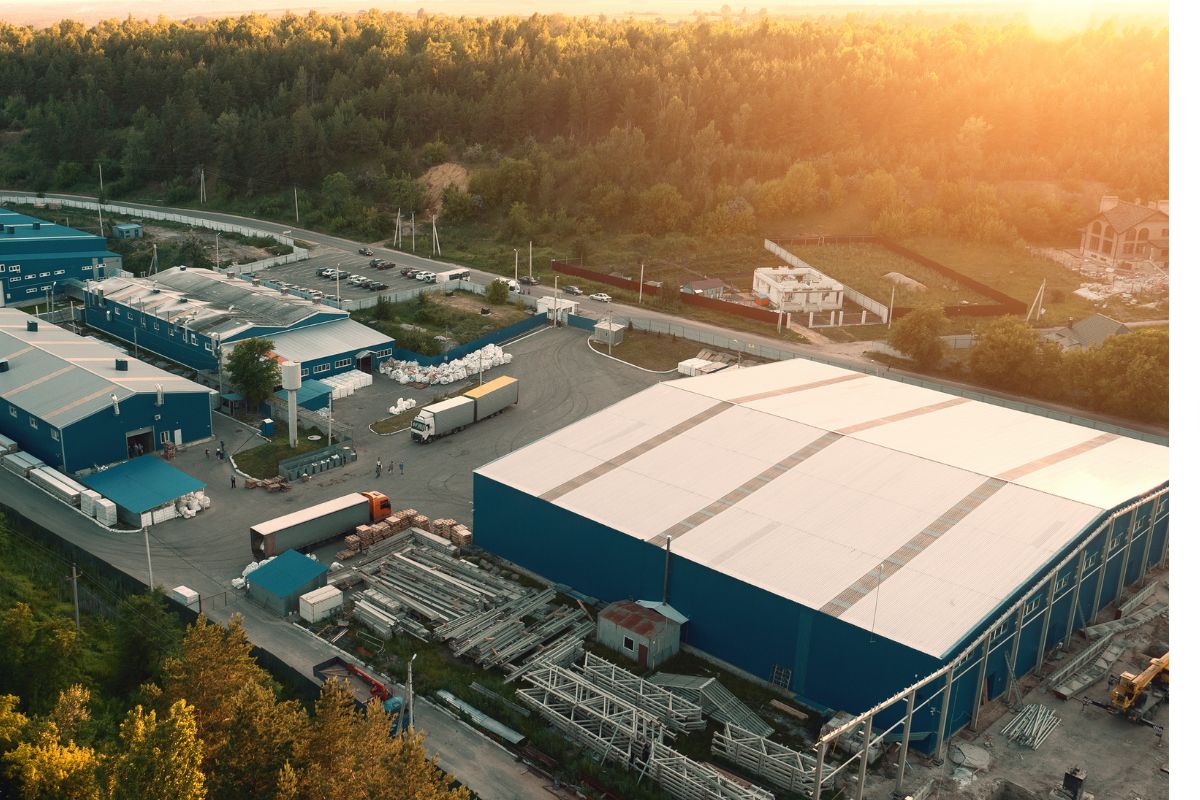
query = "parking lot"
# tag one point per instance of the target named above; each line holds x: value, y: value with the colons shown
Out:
x: 302, y: 278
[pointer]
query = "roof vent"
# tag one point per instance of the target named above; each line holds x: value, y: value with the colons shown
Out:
x: 37, y: 226
x: 116, y: 403
x: 4, y: 365
x: 122, y: 365
x: 31, y: 325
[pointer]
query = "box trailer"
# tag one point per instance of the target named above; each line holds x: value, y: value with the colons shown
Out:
x: 452, y: 275
x: 318, y: 523
x: 448, y: 416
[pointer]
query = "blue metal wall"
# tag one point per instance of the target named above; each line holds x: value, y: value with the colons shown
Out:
x: 833, y: 664
x: 495, y: 337
x: 100, y: 438
x: 168, y: 340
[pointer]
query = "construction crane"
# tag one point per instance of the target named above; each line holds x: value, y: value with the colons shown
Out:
x: 1129, y: 695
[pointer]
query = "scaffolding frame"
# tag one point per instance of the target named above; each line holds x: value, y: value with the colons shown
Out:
x: 694, y: 780
x: 714, y: 700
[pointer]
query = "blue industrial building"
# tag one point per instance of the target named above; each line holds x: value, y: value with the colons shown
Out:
x: 190, y: 315
x: 144, y: 489
x: 837, y: 534
x: 37, y: 257
x: 77, y: 403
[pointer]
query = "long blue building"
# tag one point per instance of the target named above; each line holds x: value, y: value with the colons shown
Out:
x: 838, y: 534
x: 37, y: 257
x: 191, y: 315
x: 76, y: 402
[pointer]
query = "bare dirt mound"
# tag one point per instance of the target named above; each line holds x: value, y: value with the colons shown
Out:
x: 436, y: 179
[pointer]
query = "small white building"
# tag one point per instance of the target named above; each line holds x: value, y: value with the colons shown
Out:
x: 556, y: 309
x: 801, y: 289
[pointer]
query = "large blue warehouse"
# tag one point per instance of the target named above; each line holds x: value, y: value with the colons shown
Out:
x: 76, y: 402
x: 187, y: 315
x: 838, y: 534
x: 36, y: 256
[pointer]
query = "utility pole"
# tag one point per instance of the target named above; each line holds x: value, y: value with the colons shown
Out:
x: 149, y: 564
x: 412, y: 712
x: 218, y: 240
x: 531, y: 259
x: 100, y: 165
x: 100, y: 215
x: 556, y: 312
x: 516, y: 253
x: 296, y: 203
x: 75, y: 592
x: 414, y: 226
x: 329, y: 439
x: 203, y: 191
x: 641, y: 280
x: 891, y: 307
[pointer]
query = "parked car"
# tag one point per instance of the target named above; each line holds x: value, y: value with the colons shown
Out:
x: 375, y: 262
x: 376, y: 286
x: 366, y: 251
x: 321, y: 272
x: 328, y: 272
x: 572, y: 290
x: 388, y: 265
x: 343, y: 275
x: 529, y: 280
x: 408, y: 272
x: 423, y: 275
x: 601, y: 296
x: 358, y: 280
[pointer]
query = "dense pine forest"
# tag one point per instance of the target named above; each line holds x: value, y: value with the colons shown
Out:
x: 704, y: 127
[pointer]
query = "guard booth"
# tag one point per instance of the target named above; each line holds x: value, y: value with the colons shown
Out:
x: 608, y: 332
x: 556, y: 309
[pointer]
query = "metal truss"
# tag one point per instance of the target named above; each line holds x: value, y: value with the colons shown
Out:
x: 780, y: 765
x: 676, y: 712
x: 692, y: 780
x: 603, y: 723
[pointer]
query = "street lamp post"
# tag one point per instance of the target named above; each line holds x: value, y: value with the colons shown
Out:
x: 412, y: 712
x: 149, y: 564
x: 218, y: 240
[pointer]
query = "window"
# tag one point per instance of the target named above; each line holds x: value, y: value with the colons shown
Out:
x: 143, y: 320
x: 60, y: 272
x: 193, y: 338
x: 44, y: 275
x: 321, y: 368
x: 54, y: 434
x: 1002, y: 629
x: 383, y: 353
x: 627, y: 643
x: 33, y: 422
x: 155, y: 324
x: 1062, y: 581
x: 1032, y: 605
x: 2, y: 267
x: 208, y: 346
x: 341, y: 362
x: 12, y: 411
x: 129, y: 314
x: 1090, y: 560
x: 171, y: 330
x: 15, y: 268
x: 304, y: 372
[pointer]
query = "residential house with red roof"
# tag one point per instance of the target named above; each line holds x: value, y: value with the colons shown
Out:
x: 1128, y: 232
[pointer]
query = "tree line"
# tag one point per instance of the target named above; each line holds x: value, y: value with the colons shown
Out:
x: 184, y: 715
x: 570, y: 123
x: 1125, y: 376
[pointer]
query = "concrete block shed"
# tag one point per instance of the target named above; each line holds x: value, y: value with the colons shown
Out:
x: 145, y: 489
x: 638, y: 633
x: 838, y: 534
x: 278, y: 584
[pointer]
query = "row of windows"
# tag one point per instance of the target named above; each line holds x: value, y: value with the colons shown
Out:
x: 33, y: 422
x: 341, y: 362
x: 31, y: 276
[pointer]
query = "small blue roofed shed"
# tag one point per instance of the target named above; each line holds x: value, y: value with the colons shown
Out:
x: 145, y: 489
x: 128, y: 230
x: 312, y: 395
x: 279, y: 583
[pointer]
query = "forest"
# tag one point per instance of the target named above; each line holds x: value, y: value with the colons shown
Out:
x: 707, y: 127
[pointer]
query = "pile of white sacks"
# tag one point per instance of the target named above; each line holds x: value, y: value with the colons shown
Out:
x: 459, y: 369
x: 402, y: 405
x: 343, y: 385
x: 192, y: 504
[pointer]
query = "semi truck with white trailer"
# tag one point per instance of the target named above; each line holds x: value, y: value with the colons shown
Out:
x: 319, y: 523
x: 446, y: 417
x: 451, y: 275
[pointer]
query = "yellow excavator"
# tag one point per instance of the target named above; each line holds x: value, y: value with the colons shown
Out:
x: 1131, y: 696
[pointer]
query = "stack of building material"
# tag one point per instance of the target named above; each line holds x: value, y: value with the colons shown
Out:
x: 419, y: 521
x: 461, y: 536
x: 675, y: 712
x: 686, y: 779
x: 186, y: 596
x: 7, y: 445
x: 379, y: 621
x: 56, y: 484
x: 789, y: 769
x: 87, y: 502
x: 716, y: 701
x: 106, y: 511
x: 435, y: 541
x: 1031, y: 726
x: 21, y: 463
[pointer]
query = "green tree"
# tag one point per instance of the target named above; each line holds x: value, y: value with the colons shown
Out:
x: 159, y: 758
x: 40, y: 657
x: 497, y: 292
x: 517, y: 224
x: 918, y: 335
x: 145, y: 633
x: 1129, y: 375
x: 384, y: 310
x: 252, y: 371
x: 192, y: 252
x: 661, y: 209
x: 1010, y: 355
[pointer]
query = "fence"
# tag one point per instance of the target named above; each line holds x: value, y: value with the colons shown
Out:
x: 138, y: 212
x: 850, y: 293
x: 499, y: 336
x: 722, y: 306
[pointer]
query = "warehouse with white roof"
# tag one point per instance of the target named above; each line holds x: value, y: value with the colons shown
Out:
x: 836, y: 533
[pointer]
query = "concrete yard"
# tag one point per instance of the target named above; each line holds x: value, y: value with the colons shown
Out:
x: 1122, y: 759
x: 561, y: 382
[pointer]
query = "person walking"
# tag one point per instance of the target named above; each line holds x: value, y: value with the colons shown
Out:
x: 233, y: 481
x: 391, y: 467
x: 378, y: 467
x: 401, y: 467
x: 207, y: 453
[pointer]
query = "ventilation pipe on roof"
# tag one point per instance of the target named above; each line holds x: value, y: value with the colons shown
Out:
x: 116, y: 405
x: 4, y: 365
x: 122, y: 365
x: 31, y: 325
x: 37, y: 226
x: 158, y: 400
x: 666, y: 570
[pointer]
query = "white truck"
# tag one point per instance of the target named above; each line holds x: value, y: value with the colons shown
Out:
x: 444, y: 418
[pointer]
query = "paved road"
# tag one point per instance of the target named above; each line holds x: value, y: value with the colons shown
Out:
x: 561, y: 382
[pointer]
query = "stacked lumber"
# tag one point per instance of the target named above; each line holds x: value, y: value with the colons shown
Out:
x: 419, y: 521
x: 461, y: 536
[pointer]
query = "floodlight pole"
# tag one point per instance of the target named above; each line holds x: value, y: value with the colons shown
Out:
x: 149, y: 564
x: 641, y: 281
x: 516, y: 262
x: 412, y: 716
x: 218, y: 240
x: 329, y: 440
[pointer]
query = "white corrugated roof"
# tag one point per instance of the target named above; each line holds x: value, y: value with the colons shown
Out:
x: 315, y: 342
x: 802, y: 478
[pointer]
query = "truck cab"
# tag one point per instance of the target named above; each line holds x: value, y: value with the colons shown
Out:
x: 380, y: 505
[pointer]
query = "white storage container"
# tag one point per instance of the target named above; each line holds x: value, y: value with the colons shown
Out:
x: 187, y: 597
x: 320, y: 603
x: 106, y: 511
